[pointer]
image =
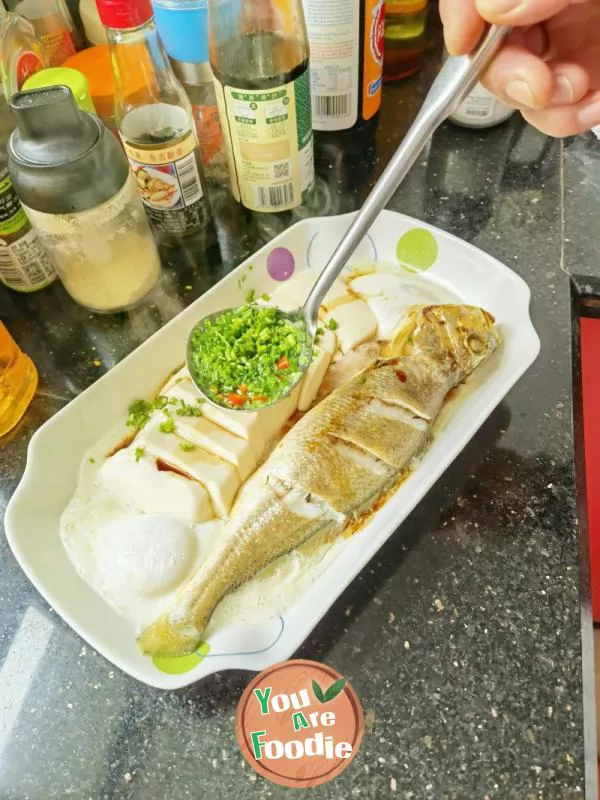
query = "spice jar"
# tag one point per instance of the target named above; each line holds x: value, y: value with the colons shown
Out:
x: 74, y: 182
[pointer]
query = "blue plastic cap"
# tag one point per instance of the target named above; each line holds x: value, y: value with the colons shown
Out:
x: 183, y: 28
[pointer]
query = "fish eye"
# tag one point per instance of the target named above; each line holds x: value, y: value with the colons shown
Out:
x: 475, y: 344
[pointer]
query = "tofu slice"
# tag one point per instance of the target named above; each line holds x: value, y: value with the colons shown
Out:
x: 220, y: 479
x: 281, y: 300
x: 273, y: 419
x: 298, y: 287
x: 244, y: 424
x: 313, y: 378
x: 328, y: 342
x: 355, y: 324
x: 139, y: 485
x: 219, y: 442
x: 181, y: 375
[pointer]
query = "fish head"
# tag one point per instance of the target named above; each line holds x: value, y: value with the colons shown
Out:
x: 457, y: 337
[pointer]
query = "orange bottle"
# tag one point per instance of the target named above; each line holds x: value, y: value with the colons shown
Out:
x: 18, y: 381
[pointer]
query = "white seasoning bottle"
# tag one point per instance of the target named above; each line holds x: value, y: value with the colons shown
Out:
x: 481, y: 109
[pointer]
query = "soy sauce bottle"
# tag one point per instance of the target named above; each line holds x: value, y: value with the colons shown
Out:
x: 259, y: 58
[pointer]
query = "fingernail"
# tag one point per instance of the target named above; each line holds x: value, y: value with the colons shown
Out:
x: 519, y: 91
x: 497, y: 8
x: 563, y: 91
x: 589, y: 116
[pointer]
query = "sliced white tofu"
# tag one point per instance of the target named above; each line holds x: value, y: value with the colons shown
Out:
x: 220, y: 479
x: 273, y: 418
x: 219, y: 442
x: 355, y: 324
x: 327, y: 341
x: 140, y: 486
x: 378, y: 283
x: 298, y: 288
x: 313, y: 378
x: 281, y: 300
x: 181, y: 375
x: 244, y: 424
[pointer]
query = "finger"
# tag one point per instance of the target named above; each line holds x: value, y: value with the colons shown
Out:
x: 571, y: 83
x: 567, y: 120
x: 463, y: 26
x: 519, y: 12
x: 520, y: 78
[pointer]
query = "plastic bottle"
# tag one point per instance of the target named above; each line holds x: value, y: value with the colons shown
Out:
x: 404, y: 38
x: 95, y: 32
x: 53, y: 25
x: 183, y: 28
x: 157, y: 128
x: 259, y: 57
x: 18, y: 381
x: 346, y: 58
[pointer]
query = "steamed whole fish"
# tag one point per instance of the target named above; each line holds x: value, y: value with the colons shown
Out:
x: 334, y: 463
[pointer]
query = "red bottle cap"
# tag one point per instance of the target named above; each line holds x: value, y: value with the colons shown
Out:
x: 123, y: 14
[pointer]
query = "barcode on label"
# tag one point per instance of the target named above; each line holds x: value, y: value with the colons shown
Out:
x: 189, y: 179
x: 11, y: 274
x: 475, y: 112
x: 274, y: 196
x: 331, y: 105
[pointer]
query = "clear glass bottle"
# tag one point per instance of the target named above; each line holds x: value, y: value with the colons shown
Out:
x: 76, y: 187
x: 259, y: 57
x: 404, y: 38
x: 157, y: 128
x: 18, y: 381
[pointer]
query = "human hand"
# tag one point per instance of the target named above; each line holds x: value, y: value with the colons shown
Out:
x: 549, y: 66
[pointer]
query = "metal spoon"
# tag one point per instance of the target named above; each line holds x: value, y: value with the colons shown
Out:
x: 453, y: 83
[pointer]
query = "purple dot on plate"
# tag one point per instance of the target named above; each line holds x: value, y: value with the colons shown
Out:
x: 280, y: 264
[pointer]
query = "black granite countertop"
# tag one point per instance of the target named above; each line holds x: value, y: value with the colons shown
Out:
x: 462, y: 637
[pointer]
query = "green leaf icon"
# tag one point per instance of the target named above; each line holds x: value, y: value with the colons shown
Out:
x: 329, y: 694
x: 334, y: 689
x: 318, y: 692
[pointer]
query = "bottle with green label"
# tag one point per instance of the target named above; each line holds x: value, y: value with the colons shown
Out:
x: 259, y: 57
x: 25, y: 266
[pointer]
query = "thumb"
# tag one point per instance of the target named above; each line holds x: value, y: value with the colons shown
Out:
x: 520, y: 12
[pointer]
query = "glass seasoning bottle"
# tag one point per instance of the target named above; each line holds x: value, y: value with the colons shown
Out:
x: 183, y: 29
x: 18, y: 381
x: 259, y: 57
x: 404, y: 38
x: 74, y: 182
x: 157, y: 128
x: 346, y: 58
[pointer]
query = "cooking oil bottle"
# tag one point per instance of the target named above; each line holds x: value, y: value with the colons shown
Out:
x: 18, y: 381
x: 259, y: 58
x: 404, y: 38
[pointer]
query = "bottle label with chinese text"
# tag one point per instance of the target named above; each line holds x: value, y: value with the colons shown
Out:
x: 268, y: 135
x: 168, y: 179
x: 24, y: 263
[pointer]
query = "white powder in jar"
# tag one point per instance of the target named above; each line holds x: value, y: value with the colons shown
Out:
x: 106, y: 257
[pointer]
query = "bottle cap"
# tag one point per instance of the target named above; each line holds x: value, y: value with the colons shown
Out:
x: 63, y: 76
x: 124, y: 14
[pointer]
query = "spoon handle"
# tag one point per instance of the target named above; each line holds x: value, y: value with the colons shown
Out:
x: 453, y: 83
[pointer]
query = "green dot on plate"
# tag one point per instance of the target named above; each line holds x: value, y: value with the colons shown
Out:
x: 180, y: 664
x: 416, y: 250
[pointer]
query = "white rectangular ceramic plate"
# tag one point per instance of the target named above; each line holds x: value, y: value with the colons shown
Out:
x: 57, y: 448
